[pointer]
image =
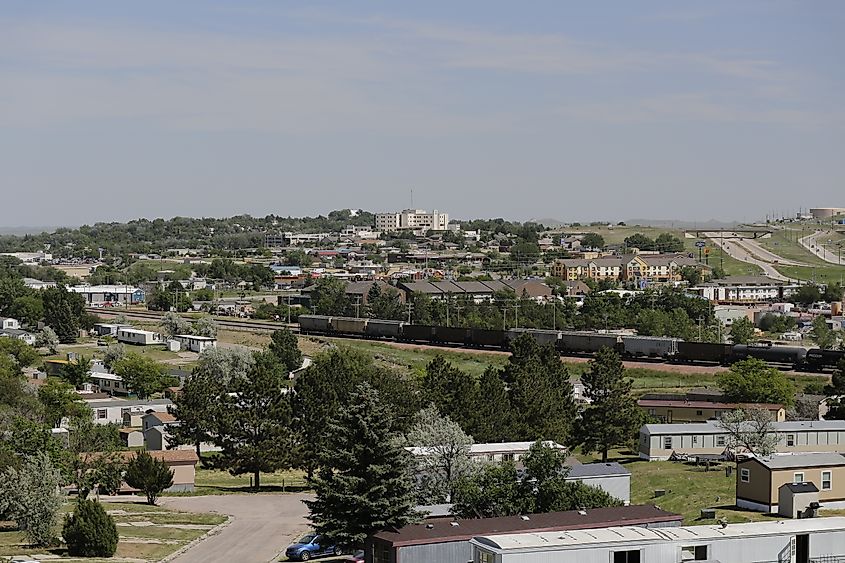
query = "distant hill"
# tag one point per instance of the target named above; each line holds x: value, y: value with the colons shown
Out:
x: 711, y: 224
x: 20, y: 231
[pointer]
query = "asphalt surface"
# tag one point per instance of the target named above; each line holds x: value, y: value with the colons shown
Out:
x: 263, y: 525
x: 815, y: 243
x: 743, y: 254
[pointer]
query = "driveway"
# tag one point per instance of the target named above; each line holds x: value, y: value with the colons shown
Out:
x: 262, y: 526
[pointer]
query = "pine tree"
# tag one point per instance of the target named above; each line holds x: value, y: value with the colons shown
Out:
x: 363, y: 485
x: 90, y: 531
x: 613, y: 416
x: 62, y: 311
x: 149, y: 475
x: 253, y: 424
x: 491, y: 420
x: 451, y: 390
x: 284, y: 346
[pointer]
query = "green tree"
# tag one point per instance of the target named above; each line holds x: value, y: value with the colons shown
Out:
x: 91, y: 454
x: 198, y: 403
x: 835, y: 392
x: 62, y: 312
x: 451, y: 390
x: 613, y: 417
x: 363, y: 485
x: 822, y: 334
x: 253, y: 425
x: 495, y: 491
x: 691, y: 275
x: 667, y: 242
x: 60, y: 400
x: 173, y: 324
x: 28, y: 309
x: 807, y: 295
x: 592, y: 240
x: 205, y: 326
x: 76, y: 371
x: 384, y: 303
x: 492, y: 417
x: 143, y: 375
x: 742, y: 331
x: 639, y: 240
x: 284, y: 346
x: 149, y: 475
x: 31, y: 496
x: 90, y: 531
x: 539, y: 390
x: 24, y: 354
x: 48, y: 339
x: 442, y: 457
x: 328, y: 297
x: 753, y: 381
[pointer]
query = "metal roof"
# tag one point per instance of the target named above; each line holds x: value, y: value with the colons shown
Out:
x: 714, y: 428
x: 587, y: 470
x: 800, y: 460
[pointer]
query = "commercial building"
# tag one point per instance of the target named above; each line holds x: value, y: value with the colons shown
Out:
x: 815, y: 540
x: 637, y: 268
x: 826, y: 212
x: 759, y: 480
x: 106, y: 295
x: 447, y: 540
x: 660, y: 441
x: 745, y: 289
x: 412, y: 219
x: 478, y: 291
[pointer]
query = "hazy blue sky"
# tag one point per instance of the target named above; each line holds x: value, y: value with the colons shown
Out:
x: 572, y: 110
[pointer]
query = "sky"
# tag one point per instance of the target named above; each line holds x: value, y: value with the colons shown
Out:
x: 577, y: 111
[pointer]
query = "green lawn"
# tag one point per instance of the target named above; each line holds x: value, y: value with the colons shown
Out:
x: 216, y: 482
x: 13, y: 542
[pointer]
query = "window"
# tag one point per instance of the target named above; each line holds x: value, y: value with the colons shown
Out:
x: 699, y: 413
x: 485, y: 557
x: 632, y: 556
x: 798, y: 477
x: 694, y: 440
x: 694, y: 553
x: 106, y: 383
x: 720, y: 441
x: 826, y: 477
x: 667, y: 442
x: 652, y: 412
x: 718, y: 414
x: 745, y: 475
x: 102, y: 413
x: 507, y: 457
x: 790, y: 439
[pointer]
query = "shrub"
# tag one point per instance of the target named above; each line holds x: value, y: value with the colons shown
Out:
x: 90, y: 531
x: 149, y: 475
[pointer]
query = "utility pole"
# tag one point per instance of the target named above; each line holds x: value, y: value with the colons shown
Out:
x: 700, y: 326
x: 288, y: 308
x: 409, y: 312
x: 357, y: 307
x: 554, y: 312
x: 516, y: 313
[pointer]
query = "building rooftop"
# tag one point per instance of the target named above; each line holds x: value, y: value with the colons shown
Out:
x: 442, y: 530
x: 681, y: 403
x: 801, y: 487
x: 101, y: 404
x: 714, y: 428
x: 599, y: 469
x: 621, y: 535
x: 794, y: 461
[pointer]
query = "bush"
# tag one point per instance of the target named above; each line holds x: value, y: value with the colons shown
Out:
x: 149, y: 475
x: 90, y: 531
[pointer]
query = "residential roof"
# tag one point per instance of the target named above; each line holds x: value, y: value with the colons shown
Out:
x: 588, y: 470
x: 442, y: 530
x: 714, y: 428
x: 100, y: 404
x: 628, y: 534
x: 195, y: 337
x: 794, y: 461
x: 680, y: 403
x: 801, y: 487
x: 163, y: 416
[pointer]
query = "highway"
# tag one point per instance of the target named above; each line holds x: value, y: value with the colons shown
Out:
x: 736, y: 248
x: 815, y: 244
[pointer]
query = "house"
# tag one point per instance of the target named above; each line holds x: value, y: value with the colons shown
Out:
x: 138, y: 337
x: 108, y: 383
x: 107, y: 329
x: 194, y: 343
x: 793, y: 541
x: 112, y: 411
x: 183, y: 463
x: 660, y: 441
x: 155, y: 425
x: 610, y: 477
x: 496, y: 452
x: 759, y: 479
x: 8, y: 323
x: 691, y: 408
x: 447, y: 540
x: 18, y: 334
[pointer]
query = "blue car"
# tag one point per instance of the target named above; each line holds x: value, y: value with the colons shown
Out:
x: 309, y: 546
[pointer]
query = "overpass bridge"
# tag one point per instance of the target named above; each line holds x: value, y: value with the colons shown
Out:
x: 732, y: 233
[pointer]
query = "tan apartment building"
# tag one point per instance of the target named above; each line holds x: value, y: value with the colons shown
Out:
x: 673, y: 409
x: 656, y: 268
x: 759, y: 479
x: 660, y: 441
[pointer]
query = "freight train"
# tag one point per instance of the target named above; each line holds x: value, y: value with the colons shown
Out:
x: 573, y: 343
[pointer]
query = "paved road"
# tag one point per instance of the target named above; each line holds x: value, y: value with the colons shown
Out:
x: 766, y: 255
x: 743, y: 254
x: 814, y: 243
x: 263, y: 525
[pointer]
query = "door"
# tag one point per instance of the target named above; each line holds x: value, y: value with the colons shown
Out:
x: 802, y: 548
x: 669, y: 416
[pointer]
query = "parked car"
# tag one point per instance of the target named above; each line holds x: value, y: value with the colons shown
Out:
x: 356, y: 557
x: 308, y: 546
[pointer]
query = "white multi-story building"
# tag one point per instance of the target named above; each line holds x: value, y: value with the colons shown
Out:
x: 412, y: 219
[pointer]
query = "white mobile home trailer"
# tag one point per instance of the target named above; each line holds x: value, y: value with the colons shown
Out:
x: 138, y: 337
x: 788, y: 541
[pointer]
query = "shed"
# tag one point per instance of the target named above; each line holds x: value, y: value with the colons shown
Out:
x: 610, y: 477
x: 797, y: 500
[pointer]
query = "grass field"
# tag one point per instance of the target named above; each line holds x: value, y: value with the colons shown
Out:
x: 156, y: 535
x: 217, y: 482
x: 785, y: 243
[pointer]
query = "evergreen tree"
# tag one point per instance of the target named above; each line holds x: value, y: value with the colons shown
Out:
x: 149, y: 475
x: 253, y: 423
x: 836, y: 394
x: 284, y: 346
x: 363, y: 485
x: 491, y: 419
x: 539, y: 390
x: 613, y: 417
x: 822, y: 334
x: 31, y: 496
x: 76, y: 372
x: 48, y: 339
x: 62, y: 311
x: 90, y: 531
x: 451, y: 390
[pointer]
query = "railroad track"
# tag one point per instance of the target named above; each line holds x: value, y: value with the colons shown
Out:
x: 234, y: 324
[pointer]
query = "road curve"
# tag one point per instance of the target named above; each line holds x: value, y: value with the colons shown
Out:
x: 262, y: 526
x: 743, y: 254
x: 813, y: 244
